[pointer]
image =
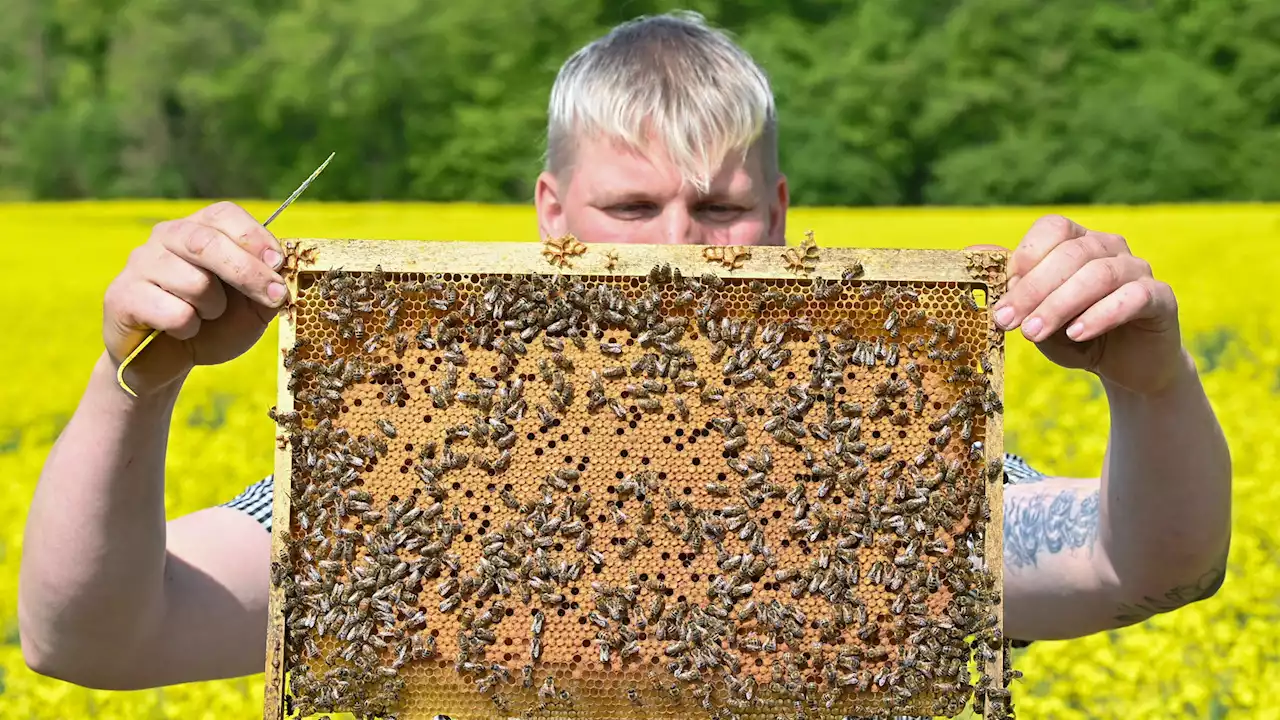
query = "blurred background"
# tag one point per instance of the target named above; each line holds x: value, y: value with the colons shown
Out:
x: 904, y: 123
x: 883, y: 102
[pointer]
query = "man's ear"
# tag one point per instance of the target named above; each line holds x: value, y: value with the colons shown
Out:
x: 551, y: 216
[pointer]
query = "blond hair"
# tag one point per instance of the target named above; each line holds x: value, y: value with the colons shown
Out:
x: 669, y: 78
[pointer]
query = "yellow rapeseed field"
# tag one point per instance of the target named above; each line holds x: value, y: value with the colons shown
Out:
x: 1216, y: 659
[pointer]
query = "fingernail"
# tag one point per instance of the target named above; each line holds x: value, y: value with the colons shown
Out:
x: 275, y: 291
x: 1032, y: 328
x: 1004, y: 316
x: 1075, y: 331
x: 272, y: 258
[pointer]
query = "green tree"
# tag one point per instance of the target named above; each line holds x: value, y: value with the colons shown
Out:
x: 882, y: 101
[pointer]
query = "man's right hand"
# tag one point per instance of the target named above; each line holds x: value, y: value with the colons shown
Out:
x: 207, y: 281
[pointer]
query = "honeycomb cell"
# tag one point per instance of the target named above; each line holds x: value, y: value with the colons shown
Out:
x: 751, y: 512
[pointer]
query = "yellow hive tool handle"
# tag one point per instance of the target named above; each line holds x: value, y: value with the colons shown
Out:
x: 152, y: 335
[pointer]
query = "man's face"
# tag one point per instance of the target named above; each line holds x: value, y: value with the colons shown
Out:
x: 614, y: 194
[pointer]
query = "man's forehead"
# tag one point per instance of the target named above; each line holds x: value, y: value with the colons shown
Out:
x: 618, y: 167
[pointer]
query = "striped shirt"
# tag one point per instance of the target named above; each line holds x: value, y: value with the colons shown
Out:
x: 256, y: 501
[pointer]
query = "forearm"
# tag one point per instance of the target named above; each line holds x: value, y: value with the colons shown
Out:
x: 1165, y: 511
x: 94, y: 553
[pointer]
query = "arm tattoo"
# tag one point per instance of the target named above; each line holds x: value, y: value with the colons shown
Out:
x: 1203, y: 588
x: 1048, y: 524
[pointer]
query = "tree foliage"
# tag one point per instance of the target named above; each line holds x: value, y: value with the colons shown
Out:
x: 882, y: 102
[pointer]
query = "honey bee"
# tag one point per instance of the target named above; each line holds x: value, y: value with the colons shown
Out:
x: 618, y: 409
x: 991, y: 404
x: 682, y: 407
x: 825, y: 290
x: 880, y: 406
x: 872, y: 289
x: 628, y: 551
x: 892, y: 471
x: 558, y: 402
x: 876, y: 575
x: 547, y: 692
x: 942, y: 438
x: 892, y: 354
x: 562, y: 361
x: 395, y: 393
x: 893, y: 324
x: 386, y: 427
x: 913, y: 373
x: 559, y: 325
x: 994, y: 470
x: 619, y: 517
x: 512, y: 345
x: 553, y: 344
x: 290, y: 421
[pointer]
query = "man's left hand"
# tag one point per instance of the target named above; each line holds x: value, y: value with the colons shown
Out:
x: 1087, y: 302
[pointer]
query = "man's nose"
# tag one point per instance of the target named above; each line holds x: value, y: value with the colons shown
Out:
x: 679, y: 228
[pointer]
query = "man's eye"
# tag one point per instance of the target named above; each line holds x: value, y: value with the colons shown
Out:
x: 632, y: 211
x: 721, y: 213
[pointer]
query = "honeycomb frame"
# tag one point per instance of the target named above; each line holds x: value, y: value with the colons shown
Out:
x: 642, y: 683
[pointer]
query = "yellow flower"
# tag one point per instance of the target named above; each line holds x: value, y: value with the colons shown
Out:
x: 1215, y: 658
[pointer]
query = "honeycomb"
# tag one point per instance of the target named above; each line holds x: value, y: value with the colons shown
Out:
x: 636, y: 495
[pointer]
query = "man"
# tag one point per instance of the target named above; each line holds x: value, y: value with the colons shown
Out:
x: 662, y: 132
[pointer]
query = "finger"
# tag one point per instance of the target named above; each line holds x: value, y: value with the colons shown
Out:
x: 236, y: 223
x: 196, y: 286
x: 1045, y: 234
x: 149, y: 306
x: 210, y: 249
x: 1145, y: 298
x: 1064, y: 260
x: 1096, y: 280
